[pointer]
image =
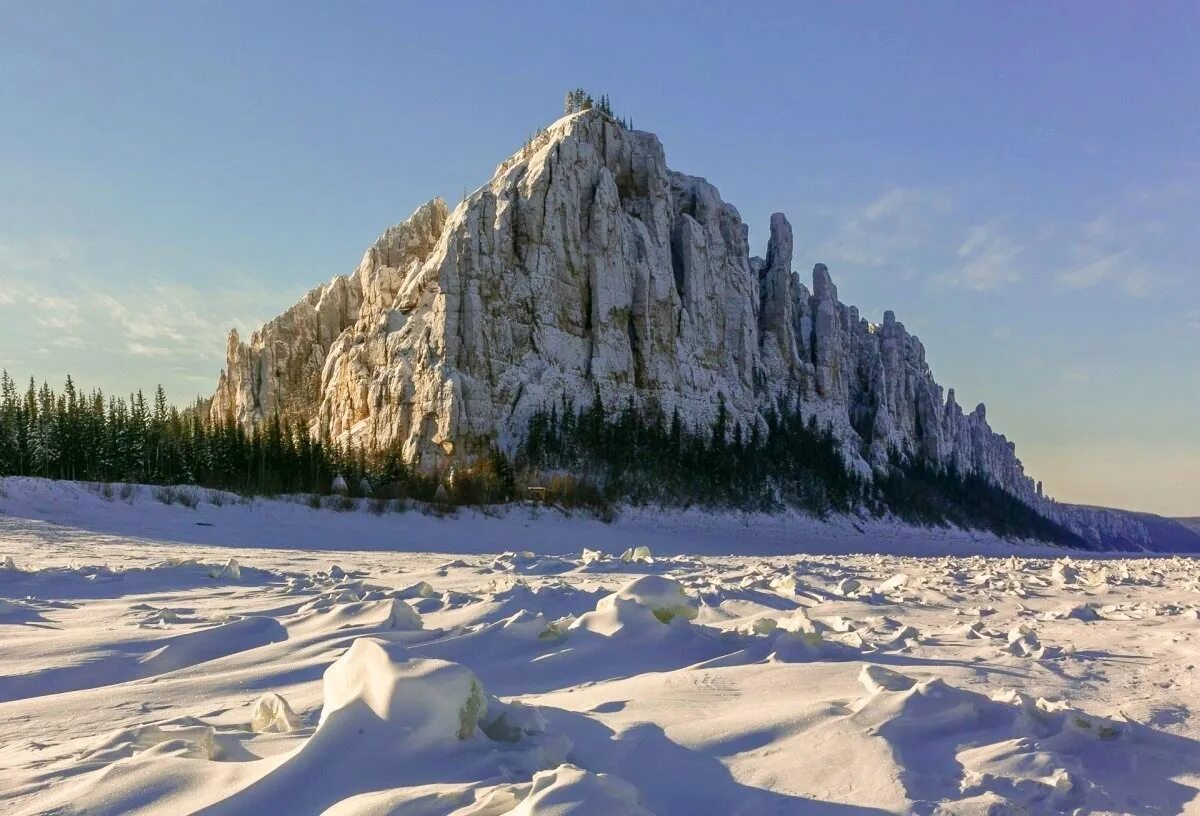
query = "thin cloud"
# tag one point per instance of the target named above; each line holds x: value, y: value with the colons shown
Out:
x: 54, y: 310
x: 142, y: 350
x: 1076, y: 375
x: 1127, y: 247
x: 896, y: 222
x: 163, y: 320
x: 986, y: 261
x: 1094, y: 272
x: 1118, y: 269
x: 24, y: 256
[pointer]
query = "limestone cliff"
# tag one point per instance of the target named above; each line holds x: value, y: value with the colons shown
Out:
x: 586, y: 265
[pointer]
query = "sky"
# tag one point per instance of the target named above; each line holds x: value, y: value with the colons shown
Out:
x: 1020, y: 182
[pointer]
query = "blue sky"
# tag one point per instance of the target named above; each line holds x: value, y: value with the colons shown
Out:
x: 1020, y: 182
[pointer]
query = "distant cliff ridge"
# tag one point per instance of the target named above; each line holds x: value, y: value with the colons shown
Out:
x: 587, y: 266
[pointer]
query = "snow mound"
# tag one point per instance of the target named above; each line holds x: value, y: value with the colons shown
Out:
x: 327, y: 613
x: 527, y: 563
x: 1010, y: 751
x: 374, y: 691
x: 523, y: 626
x: 79, y: 581
x: 571, y: 791
x: 554, y: 599
x: 421, y: 589
x: 192, y: 741
x: 154, y: 617
x: 11, y: 610
x: 663, y: 596
x: 798, y: 647
x: 640, y: 607
x: 614, y: 615
x: 391, y: 722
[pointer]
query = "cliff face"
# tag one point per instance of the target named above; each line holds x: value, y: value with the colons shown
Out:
x: 281, y: 368
x: 585, y: 265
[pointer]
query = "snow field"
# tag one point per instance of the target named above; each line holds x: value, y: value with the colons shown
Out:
x: 149, y: 675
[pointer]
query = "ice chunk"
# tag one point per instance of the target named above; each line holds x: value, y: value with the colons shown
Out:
x: 785, y: 584
x: 519, y: 723
x: 848, y: 586
x: 877, y: 678
x: 232, y: 571
x: 799, y: 622
x: 1021, y: 632
x: 404, y: 616
x: 638, y: 555
x: 903, y: 638
x: 421, y: 589
x: 797, y: 646
x: 1064, y: 572
x: 764, y: 626
x: 896, y: 582
x: 529, y: 563
x: 273, y: 714
x: 977, y: 631
x: 1083, y: 612
x: 1024, y: 642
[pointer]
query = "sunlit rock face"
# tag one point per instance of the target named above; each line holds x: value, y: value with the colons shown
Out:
x: 586, y: 266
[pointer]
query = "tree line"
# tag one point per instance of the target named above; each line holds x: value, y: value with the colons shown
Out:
x: 93, y: 437
x: 642, y: 456
x: 784, y: 460
x: 588, y: 455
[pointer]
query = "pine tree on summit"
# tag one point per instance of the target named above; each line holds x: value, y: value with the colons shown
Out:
x: 577, y: 100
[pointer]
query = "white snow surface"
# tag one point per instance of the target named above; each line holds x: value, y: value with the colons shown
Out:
x: 268, y: 658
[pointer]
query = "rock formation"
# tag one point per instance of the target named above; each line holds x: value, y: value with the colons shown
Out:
x: 586, y: 266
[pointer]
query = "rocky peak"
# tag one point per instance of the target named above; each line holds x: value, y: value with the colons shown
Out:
x: 587, y: 266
